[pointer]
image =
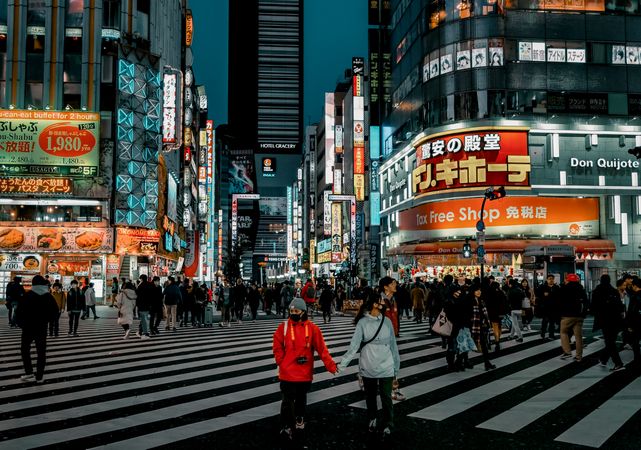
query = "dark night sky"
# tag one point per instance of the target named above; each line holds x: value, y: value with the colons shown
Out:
x: 335, y: 30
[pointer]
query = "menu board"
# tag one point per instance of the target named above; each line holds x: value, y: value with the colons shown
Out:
x: 56, y: 239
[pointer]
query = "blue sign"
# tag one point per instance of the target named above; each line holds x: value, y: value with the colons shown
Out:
x: 374, y: 142
x: 375, y: 208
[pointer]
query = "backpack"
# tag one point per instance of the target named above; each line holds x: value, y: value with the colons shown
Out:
x: 311, y: 292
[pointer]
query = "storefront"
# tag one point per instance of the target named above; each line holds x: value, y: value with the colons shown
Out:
x: 572, y: 203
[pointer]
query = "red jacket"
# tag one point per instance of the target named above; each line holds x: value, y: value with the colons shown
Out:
x: 392, y: 313
x: 303, y: 293
x: 301, y: 340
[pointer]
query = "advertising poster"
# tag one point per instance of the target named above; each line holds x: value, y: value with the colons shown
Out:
x: 618, y: 54
x: 273, y: 206
x: 496, y: 56
x: 269, y: 167
x: 525, y: 51
x: 576, y: 55
x: 337, y: 218
x: 463, y: 60
x: 49, y: 142
x: 132, y: 241
x: 527, y: 216
x: 113, y: 266
x: 241, y: 173
x: 479, y: 57
x: 538, y: 51
x: 472, y: 159
x: 556, y: 54
x: 20, y: 263
x: 446, y: 64
x: 172, y: 194
x: 191, y: 254
x: 359, y: 133
x: 54, y: 239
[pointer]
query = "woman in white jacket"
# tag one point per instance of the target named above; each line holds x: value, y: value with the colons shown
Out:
x: 379, y: 360
x: 126, y: 302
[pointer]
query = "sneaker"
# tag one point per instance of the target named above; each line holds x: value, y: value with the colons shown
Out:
x: 70, y: 334
x: 76, y: 335
x: 577, y: 359
x: 519, y: 340
x: 96, y: 318
x: 167, y: 328
x: 126, y: 336
x: 144, y: 336
x: 617, y: 368
x: 387, y: 432
x: 40, y: 380
x: 300, y: 423
x: 372, y: 425
x: 397, y: 395
x: 602, y: 364
x: 286, y: 433
x: 566, y: 356
x: 137, y: 333
x: 174, y: 329
x: 28, y: 378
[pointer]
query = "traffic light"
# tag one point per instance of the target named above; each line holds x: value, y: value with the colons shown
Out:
x: 467, y: 249
x: 636, y: 152
x: 495, y: 194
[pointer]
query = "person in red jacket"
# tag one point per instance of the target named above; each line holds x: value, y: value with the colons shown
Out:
x: 294, y: 344
x: 387, y: 288
x: 309, y: 295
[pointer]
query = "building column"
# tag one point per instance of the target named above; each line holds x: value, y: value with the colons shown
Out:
x: 54, y: 56
x: 91, y: 55
x: 16, y: 52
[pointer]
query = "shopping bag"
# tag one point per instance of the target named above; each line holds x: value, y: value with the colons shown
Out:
x: 464, y: 341
x: 442, y: 325
x: 506, y: 322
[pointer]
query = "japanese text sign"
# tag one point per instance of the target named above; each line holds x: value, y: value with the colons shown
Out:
x: 36, y: 185
x: 472, y: 159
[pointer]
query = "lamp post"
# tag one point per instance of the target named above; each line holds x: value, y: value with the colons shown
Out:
x: 490, y: 194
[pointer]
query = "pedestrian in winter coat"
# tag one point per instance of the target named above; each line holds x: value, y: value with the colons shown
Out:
x: 379, y: 360
x: 254, y: 298
x: 90, y: 301
x: 515, y: 296
x: 497, y: 309
x: 14, y: 293
x: 387, y: 287
x: 126, y: 302
x: 526, y: 305
x: 61, y: 301
x: 238, y: 296
x: 547, y: 300
x: 144, y: 298
x: 286, y: 297
x: 75, y: 305
x: 308, y: 293
x: 573, y: 308
x: 609, y: 313
x: 480, y: 324
x: 418, y: 302
x: 35, y: 310
x: 633, y: 322
x: 156, y: 307
x: 173, y: 297
x: 295, y: 342
x: 325, y: 300
x: 459, y: 311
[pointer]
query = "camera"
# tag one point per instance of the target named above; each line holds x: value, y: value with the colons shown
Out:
x: 301, y: 359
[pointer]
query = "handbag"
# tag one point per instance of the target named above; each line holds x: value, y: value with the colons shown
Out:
x: 464, y: 341
x: 442, y: 325
x: 506, y: 322
x: 525, y: 303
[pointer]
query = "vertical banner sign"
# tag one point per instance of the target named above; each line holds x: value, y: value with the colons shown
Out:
x: 338, y: 181
x: 327, y: 214
x: 359, y: 187
x: 234, y: 222
x: 338, y: 139
x: 290, y: 201
x: 358, y: 68
x: 352, y: 236
x: 337, y: 218
x: 220, y: 239
x: 329, y: 137
x: 312, y: 251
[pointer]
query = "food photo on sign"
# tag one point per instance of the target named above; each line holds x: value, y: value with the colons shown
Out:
x: 53, y: 239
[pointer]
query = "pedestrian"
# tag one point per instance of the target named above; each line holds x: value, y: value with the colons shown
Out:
x: 572, y: 308
x: 253, y: 298
x: 61, y: 301
x: 481, y: 324
x: 14, y: 293
x: 308, y: 293
x: 459, y: 311
x: 188, y: 302
x: 75, y: 306
x: 34, y: 311
x: 114, y: 291
x: 156, y: 308
x: 198, y: 307
x: 547, y: 301
x: 144, y: 295
x: 341, y: 296
x: 286, y: 297
x: 515, y: 298
x: 90, y: 301
x: 238, y: 296
x: 528, y: 301
x: 418, y: 301
x: 326, y: 299
x: 633, y: 322
x: 497, y: 309
x: 609, y: 313
x: 295, y: 342
x: 172, y: 297
x: 387, y: 287
x: 379, y: 360
x: 126, y: 302
x: 403, y: 300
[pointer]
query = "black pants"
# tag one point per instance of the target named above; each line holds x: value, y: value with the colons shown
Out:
x: 28, y: 336
x: 294, y: 402
x: 633, y: 340
x: 547, y: 323
x: 382, y: 387
x: 154, y: 320
x: 484, y: 350
x: 610, y: 350
x: 327, y: 315
x: 450, y: 355
x: 238, y: 308
x: 54, y: 325
x: 73, y: 322
x: 88, y: 309
x: 254, y: 310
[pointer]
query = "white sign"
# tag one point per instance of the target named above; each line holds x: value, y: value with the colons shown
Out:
x: 525, y: 51
x: 556, y: 54
x: 446, y: 64
x: 538, y: 51
x: 632, y: 55
x: 618, y: 54
x: 247, y: 196
x: 602, y: 163
x: 576, y: 55
x: 434, y: 69
x: 496, y: 56
x: 463, y: 60
x: 479, y: 57
x: 20, y: 263
x: 327, y: 214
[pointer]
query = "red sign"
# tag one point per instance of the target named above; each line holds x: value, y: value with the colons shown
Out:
x: 359, y: 160
x: 65, y: 140
x: 472, y: 159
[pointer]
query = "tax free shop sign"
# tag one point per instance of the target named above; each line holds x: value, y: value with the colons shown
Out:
x: 509, y: 216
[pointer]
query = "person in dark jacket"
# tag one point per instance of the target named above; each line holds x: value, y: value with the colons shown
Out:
x: 515, y: 297
x: 459, y: 311
x: 172, y: 298
x: 326, y: 299
x: 633, y: 322
x: 144, y: 298
x: 156, y: 310
x: 188, y: 302
x: 254, y: 298
x: 573, y: 305
x: 238, y: 296
x: 497, y: 308
x: 34, y: 312
x: 14, y: 293
x: 547, y: 299
x: 608, y: 310
x: 75, y: 305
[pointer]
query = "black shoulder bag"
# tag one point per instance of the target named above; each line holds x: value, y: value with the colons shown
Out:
x: 364, y: 343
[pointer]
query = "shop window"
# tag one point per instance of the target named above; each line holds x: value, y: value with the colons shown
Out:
x: 496, y: 103
x: 526, y: 102
x: 36, y: 13
x: 488, y: 7
x: 73, y: 13
x: 598, y: 53
x: 627, y: 6
x: 72, y: 72
x: 618, y: 104
x: 50, y: 213
x: 111, y: 14
x: 34, y: 73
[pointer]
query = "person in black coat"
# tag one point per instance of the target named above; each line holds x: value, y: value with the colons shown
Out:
x: 547, y: 299
x: 238, y: 297
x: 326, y: 299
x: 515, y: 297
x: 14, y: 293
x: 459, y: 310
x: 254, y: 298
x: 156, y: 307
x: 75, y: 306
x: 497, y: 308
x: 573, y: 306
x: 34, y: 312
x: 609, y: 311
x: 633, y: 321
x: 144, y: 298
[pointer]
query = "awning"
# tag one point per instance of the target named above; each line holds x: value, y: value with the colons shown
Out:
x: 596, y: 246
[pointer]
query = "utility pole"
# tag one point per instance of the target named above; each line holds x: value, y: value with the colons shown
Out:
x: 490, y: 194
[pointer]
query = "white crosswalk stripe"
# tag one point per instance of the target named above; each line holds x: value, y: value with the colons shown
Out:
x: 215, y: 379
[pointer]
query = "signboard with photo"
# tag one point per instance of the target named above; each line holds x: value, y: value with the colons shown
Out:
x: 56, y: 240
x: 463, y: 60
x: 479, y: 57
x: 618, y: 54
x: 446, y: 64
x: 20, y: 262
x: 49, y: 142
x: 496, y: 56
x: 133, y: 241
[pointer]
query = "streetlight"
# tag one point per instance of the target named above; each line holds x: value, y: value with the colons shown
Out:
x: 490, y: 194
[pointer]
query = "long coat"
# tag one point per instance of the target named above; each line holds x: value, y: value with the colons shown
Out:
x: 126, y: 301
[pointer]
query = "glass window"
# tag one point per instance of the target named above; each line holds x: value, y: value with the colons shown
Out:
x: 50, y: 213
x: 629, y: 6
x: 527, y: 102
x: 142, y: 18
x: 3, y: 11
x: 111, y: 13
x: 496, y: 103
x: 36, y: 13
x: 73, y: 14
x: 72, y: 72
x: 598, y: 53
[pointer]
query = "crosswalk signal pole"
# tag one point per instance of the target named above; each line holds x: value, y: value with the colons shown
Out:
x: 490, y: 194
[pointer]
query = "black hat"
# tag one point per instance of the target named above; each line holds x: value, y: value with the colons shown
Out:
x: 39, y: 280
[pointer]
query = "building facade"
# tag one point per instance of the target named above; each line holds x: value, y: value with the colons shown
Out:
x: 83, y: 96
x: 539, y: 97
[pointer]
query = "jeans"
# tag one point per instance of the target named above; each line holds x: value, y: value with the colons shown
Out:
x: 54, y: 325
x: 171, y: 316
x: 610, y: 350
x: 516, y: 323
x: 225, y: 313
x: 572, y: 325
x: 154, y: 320
x: 547, y: 323
x: 74, y: 317
x: 28, y: 336
x: 294, y: 402
x: 144, y: 322
x: 382, y: 387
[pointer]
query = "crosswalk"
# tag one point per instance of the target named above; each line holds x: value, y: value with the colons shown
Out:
x: 197, y: 386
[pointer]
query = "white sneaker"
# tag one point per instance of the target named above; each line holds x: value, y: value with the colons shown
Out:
x: 144, y: 336
x: 137, y: 333
x: 27, y: 378
x: 372, y: 426
x: 126, y: 336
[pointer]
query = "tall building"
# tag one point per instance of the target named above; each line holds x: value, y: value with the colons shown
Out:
x: 265, y: 130
x: 539, y: 97
x: 91, y: 173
